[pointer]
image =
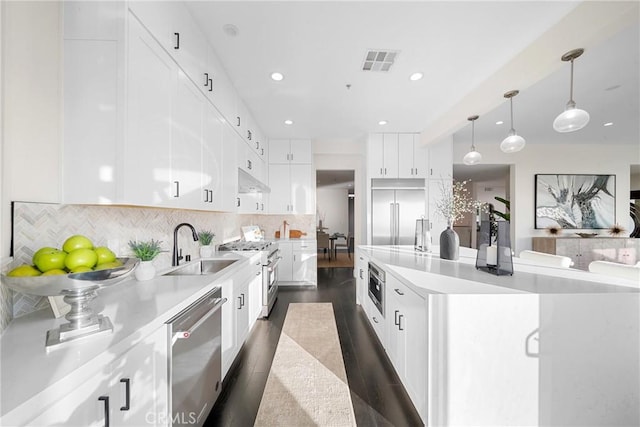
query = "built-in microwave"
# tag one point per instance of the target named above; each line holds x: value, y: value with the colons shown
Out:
x: 376, y: 287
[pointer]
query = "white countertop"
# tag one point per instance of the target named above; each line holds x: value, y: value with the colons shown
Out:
x: 427, y: 273
x: 136, y: 309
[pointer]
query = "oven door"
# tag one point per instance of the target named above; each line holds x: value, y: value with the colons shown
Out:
x: 376, y: 287
x: 270, y: 283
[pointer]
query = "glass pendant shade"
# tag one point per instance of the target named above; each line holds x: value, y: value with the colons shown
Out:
x: 572, y: 118
x: 472, y: 157
x: 512, y: 143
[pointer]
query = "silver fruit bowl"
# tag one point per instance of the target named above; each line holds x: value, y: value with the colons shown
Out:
x: 60, y: 284
x: 78, y: 289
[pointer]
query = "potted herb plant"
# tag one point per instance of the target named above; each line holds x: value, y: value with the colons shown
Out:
x: 146, y: 251
x: 205, y: 237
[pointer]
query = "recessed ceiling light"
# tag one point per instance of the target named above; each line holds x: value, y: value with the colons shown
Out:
x: 288, y: 122
x: 230, y: 30
x: 499, y: 122
x: 415, y: 76
x: 277, y: 76
x: 382, y: 122
x: 608, y: 124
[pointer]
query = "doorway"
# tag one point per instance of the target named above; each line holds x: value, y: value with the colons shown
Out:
x: 335, y: 216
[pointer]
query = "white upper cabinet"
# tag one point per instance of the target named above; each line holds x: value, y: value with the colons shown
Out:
x: 290, y: 151
x: 218, y: 88
x: 212, y: 161
x: 441, y: 160
x: 173, y: 26
x: 292, y: 189
x: 412, y: 157
x: 382, y: 154
x: 229, y: 170
x: 151, y: 76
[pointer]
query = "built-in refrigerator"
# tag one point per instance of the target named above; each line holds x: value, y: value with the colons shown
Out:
x: 394, y: 213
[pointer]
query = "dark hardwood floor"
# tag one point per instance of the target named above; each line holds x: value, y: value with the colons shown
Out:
x: 378, y: 397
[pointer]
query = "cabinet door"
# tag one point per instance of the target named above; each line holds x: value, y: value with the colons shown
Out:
x: 395, y: 321
x: 279, y: 151
x: 375, y: 155
x: 441, y: 160
x: 229, y: 335
x: 241, y: 306
x: 280, y: 184
x: 302, y: 189
x: 212, y: 189
x: 255, y: 292
x: 229, y: 170
x: 361, y: 273
x: 186, y: 144
x: 390, y: 155
x: 301, y: 152
x: 220, y: 90
x: 420, y: 158
x: 190, y: 45
x: 570, y: 248
x: 406, y: 168
x: 81, y: 406
x: 304, y: 268
x: 139, y: 383
x: 285, y: 268
x: 415, y: 350
x: 146, y: 156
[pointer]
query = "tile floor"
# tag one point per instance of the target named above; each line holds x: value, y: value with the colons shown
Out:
x: 378, y: 397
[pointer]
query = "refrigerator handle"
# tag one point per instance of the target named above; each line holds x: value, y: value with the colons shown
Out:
x: 392, y: 224
x: 397, y: 223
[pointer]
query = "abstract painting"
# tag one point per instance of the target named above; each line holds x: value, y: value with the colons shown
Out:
x: 575, y: 201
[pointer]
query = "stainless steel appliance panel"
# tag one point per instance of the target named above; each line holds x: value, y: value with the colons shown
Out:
x: 377, y: 281
x: 195, y: 360
x: 393, y: 215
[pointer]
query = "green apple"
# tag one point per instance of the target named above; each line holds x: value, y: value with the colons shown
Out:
x: 49, y: 260
x: 108, y: 265
x: 77, y: 241
x: 81, y: 269
x: 80, y: 258
x: 104, y: 255
x: 54, y: 272
x: 24, y: 271
x: 40, y: 251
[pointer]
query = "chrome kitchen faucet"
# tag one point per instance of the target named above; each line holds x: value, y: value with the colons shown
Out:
x: 175, y: 260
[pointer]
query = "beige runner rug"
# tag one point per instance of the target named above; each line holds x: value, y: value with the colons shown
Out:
x: 307, y: 383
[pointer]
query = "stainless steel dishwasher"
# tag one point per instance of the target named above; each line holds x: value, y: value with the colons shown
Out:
x: 195, y: 359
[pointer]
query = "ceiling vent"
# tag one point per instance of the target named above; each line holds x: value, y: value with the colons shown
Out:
x: 379, y: 60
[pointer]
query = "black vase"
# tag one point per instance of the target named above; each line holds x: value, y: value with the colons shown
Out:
x: 449, y: 244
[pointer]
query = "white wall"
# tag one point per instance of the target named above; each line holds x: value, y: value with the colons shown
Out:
x: 333, y: 204
x: 347, y: 155
x: 31, y: 105
x: 558, y: 158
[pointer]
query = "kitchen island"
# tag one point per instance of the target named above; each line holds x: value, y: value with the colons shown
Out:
x: 545, y: 346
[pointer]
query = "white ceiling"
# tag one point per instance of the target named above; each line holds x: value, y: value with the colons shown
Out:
x: 470, y: 53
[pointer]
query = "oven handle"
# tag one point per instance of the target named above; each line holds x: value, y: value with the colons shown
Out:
x: 186, y: 333
x: 272, y: 265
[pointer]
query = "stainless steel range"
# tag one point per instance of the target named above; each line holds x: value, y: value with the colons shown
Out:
x: 269, y: 258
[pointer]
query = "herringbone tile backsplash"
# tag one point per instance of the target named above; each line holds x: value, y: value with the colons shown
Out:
x: 40, y: 224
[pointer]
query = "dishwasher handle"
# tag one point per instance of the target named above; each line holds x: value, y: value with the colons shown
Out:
x: 186, y: 332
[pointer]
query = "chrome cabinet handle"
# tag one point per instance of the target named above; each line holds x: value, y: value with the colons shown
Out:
x: 206, y: 79
x: 177, y: 193
x: 398, y: 291
x: 210, y: 85
x: 105, y: 399
x: 400, y: 322
x: 242, y: 295
x: 177, y: 46
x: 206, y: 195
x: 238, y: 117
x: 395, y: 320
x: 127, y: 394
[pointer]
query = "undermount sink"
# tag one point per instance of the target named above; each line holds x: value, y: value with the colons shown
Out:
x: 203, y: 266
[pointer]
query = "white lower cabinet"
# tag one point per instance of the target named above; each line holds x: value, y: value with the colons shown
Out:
x: 361, y: 273
x: 406, y: 322
x: 299, y: 261
x: 131, y: 391
x: 238, y: 312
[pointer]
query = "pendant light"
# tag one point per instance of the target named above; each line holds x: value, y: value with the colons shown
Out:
x: 513, y: 142
x: 572, y: 118
x: 472, y: 157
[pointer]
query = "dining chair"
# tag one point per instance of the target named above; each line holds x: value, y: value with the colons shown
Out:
x: 323, y: 242
x: 348, y: 243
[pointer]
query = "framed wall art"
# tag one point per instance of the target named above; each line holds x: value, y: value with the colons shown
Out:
x: 575, y: 201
